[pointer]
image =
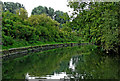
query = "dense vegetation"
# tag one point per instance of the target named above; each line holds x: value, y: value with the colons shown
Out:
x: 98, y: 24
x: 21, y: 30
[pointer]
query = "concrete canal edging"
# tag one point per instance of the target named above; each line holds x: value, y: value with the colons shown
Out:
x: 25, y: 50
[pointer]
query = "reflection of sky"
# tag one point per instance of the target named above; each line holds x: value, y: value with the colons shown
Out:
x: 55, y: 76
x: 71, y: 65
x: 61, y: 75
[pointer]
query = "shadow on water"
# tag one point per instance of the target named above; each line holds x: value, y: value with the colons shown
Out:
x: 83, y: 62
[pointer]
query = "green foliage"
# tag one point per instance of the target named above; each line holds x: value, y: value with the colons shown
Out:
x: 12, y: 7
x: 39, y: 10
x: 97, y: 24
x: 59, y: 16
x: 22, y: 13
x: 7, y: 40
x: 36, y: 28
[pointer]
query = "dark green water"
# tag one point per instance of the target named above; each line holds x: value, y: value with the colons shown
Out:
x: 83, y: 62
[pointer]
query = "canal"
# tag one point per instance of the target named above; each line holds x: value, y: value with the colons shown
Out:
x: 78, y: 62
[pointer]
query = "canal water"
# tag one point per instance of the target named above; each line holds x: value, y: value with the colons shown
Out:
x: 78, y: 62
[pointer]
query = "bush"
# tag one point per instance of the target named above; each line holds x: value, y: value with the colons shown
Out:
x: 7, y: 40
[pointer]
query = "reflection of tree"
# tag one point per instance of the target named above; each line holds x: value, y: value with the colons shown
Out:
x: 57, y: 60
x: 96, y: 66
x: 37, y: 64
x: 75, y: 53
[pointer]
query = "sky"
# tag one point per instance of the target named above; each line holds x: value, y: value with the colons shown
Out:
x: 55, y: 4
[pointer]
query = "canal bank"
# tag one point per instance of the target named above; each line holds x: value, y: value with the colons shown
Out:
x: 24, y: 50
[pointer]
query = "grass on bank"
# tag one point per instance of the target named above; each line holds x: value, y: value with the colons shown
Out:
x: 26, y: 44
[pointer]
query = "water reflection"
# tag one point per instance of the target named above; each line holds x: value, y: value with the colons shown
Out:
x: 72, y: 65
x: 84, y: 62
x: 60, y: 75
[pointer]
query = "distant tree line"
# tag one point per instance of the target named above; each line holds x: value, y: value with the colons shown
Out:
x: 12, y: 7
x: 59, y: 16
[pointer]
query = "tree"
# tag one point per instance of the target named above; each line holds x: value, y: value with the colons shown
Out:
x: 48, y: 27
x: 50, y: 12
x: 22, y: 30
x: 59, y: 16
x: 98, y: 24
x: 22, y: 13
x: 12, y: 7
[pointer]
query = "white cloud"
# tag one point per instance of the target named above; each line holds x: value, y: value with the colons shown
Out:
x: 31, y: 4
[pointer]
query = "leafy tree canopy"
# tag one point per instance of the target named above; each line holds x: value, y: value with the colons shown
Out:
x: 99, y: 23
x: 12, y: 7
x: 59, y: 16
